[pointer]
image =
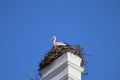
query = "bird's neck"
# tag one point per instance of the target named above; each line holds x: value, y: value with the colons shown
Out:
x: 54, y: 41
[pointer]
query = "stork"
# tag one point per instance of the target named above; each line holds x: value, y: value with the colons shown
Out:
x: 58, y: 43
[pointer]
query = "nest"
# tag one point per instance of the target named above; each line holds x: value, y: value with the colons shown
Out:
x: 57, y: 51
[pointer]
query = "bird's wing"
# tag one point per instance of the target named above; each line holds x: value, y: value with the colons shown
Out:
x: 66, y: 44
x: 60, y: 43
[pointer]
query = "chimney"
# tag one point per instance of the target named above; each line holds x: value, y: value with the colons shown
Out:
x: 61, y: 64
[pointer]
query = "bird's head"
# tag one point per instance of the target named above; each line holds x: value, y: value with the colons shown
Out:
x: 54, y: 38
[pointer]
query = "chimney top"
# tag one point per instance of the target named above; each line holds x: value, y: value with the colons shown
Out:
x: 57, y: 51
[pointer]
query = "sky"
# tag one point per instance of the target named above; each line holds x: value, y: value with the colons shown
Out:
x: 26, y: 28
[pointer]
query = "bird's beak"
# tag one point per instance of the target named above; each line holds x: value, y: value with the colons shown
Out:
x: 52, y: 39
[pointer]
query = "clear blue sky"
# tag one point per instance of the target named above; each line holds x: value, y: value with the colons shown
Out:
x: 26, y: 27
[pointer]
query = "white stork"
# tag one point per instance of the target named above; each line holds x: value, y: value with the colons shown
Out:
x: 58, y: 43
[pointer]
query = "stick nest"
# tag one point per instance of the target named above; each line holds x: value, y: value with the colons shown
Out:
x: 57, y: 51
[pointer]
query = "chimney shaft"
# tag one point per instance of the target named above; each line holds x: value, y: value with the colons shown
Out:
x: 66, y: 67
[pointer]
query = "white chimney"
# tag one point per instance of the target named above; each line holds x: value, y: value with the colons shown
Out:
x: 65, y: 67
